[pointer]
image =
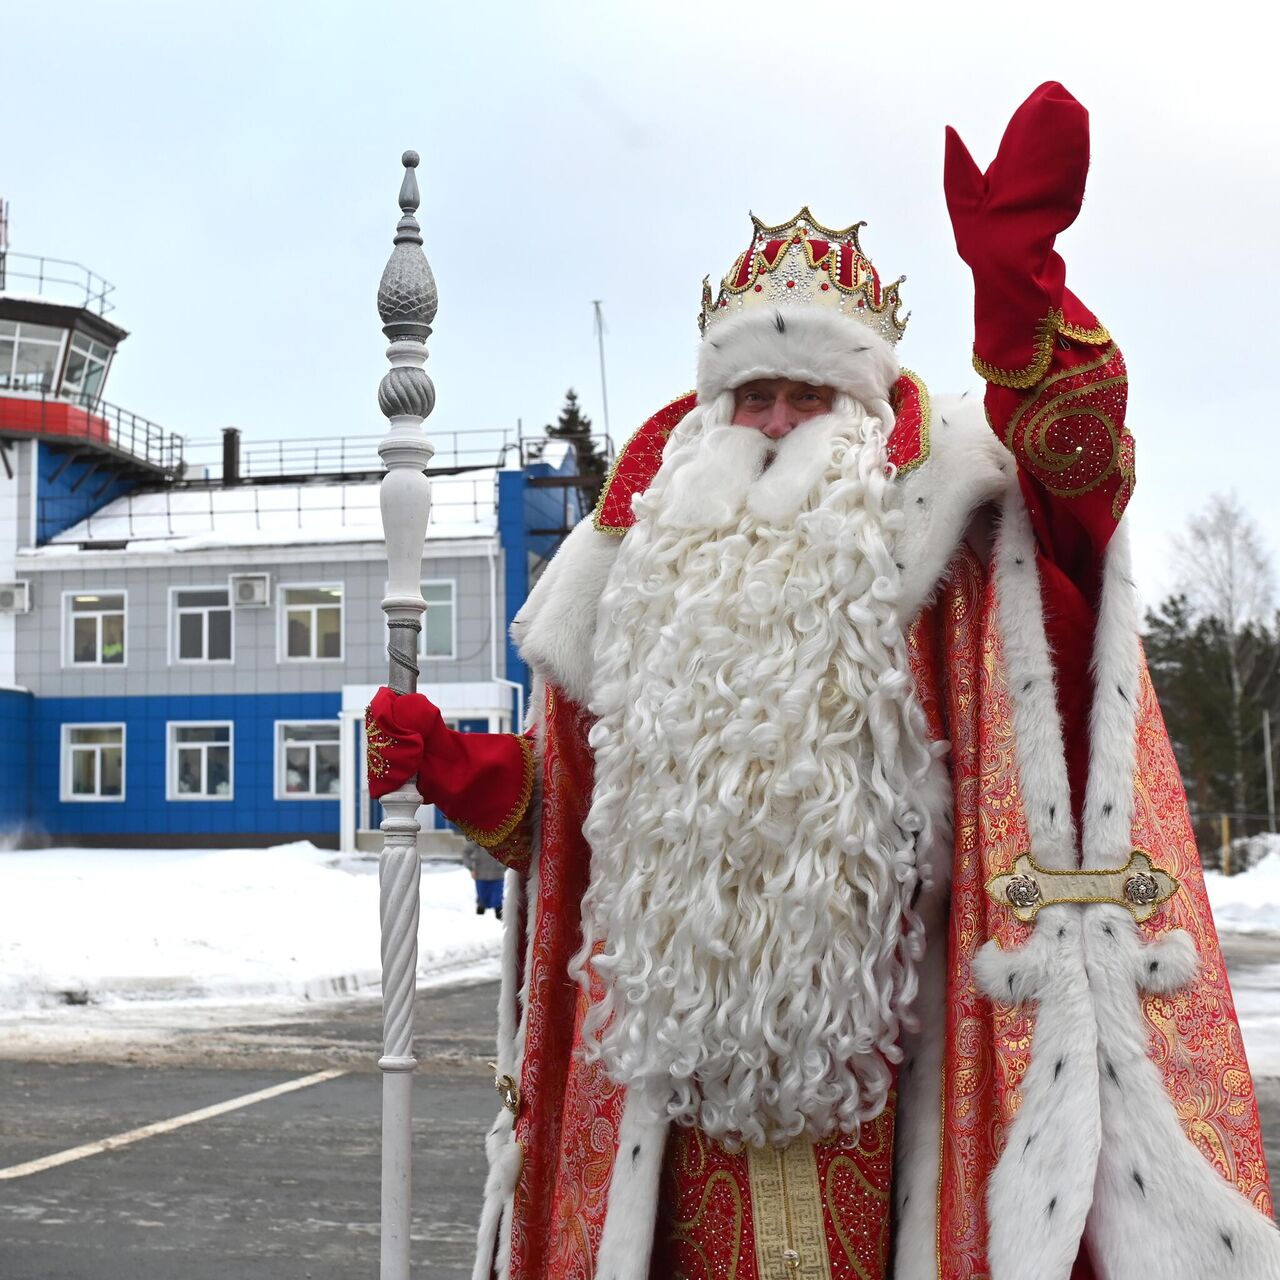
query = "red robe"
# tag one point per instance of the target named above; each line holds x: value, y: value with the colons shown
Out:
x: 731, y: 1215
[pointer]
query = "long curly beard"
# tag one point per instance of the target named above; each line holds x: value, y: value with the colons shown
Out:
x: 749, y: 942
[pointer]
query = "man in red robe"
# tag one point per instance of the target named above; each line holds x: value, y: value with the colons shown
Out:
x: 856, y: 926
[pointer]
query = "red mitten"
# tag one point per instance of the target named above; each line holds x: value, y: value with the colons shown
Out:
x: 1006, y: 221
x: 481, y: 781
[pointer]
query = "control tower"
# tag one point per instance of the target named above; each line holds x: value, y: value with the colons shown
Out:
x: 65, y: 450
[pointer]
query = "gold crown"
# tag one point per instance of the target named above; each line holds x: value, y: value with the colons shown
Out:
x: 803, y: 263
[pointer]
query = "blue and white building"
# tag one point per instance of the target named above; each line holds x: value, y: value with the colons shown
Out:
x: 186, y: 652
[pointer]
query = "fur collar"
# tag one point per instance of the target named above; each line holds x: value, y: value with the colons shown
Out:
x: 555, y: 630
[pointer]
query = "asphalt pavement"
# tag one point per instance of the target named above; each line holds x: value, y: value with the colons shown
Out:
x: 285, y: 1189
x: 280, y: 1189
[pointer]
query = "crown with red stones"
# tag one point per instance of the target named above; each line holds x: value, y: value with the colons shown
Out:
x: 803, y: 263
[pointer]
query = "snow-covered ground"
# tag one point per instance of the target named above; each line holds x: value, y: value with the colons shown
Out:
x: 138, y: 931
x: 111, y: 926
x: 1249, y: 902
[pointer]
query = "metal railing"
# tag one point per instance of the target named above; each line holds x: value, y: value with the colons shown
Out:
x: 93, y: 422
x: 56, y: 279
x: 350, y: 455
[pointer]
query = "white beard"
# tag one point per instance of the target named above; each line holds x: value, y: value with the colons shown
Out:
x: 759, y: 765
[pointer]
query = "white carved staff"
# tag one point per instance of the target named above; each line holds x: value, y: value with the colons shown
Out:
x: 407, y: 305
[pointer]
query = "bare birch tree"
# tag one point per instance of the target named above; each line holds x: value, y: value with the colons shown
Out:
x: 1226, y: 574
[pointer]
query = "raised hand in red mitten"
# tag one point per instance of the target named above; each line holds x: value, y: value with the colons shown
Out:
x: 1006, y: 221
x: 481, y: 781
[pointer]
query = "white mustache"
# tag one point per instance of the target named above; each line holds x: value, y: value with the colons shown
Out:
x: 720, y: 472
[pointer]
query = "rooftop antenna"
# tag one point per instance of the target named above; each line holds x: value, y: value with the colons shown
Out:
x: 598, y: 305
x: 4, y: 237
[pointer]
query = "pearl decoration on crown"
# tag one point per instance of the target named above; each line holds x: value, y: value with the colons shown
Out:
x: 803, y: 263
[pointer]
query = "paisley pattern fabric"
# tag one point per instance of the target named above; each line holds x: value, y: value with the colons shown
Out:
x: 710, y: 1229
x: 1193, y: 1035
x: 544, y: 1079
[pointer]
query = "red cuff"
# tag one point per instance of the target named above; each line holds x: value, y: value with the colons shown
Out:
x: 480, y: 781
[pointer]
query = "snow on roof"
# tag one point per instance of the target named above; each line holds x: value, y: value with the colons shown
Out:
x: 462, y: 506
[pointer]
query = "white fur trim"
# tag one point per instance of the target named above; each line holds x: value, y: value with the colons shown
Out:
x: 1039, y: 1194
x: 967, y: 466
x: 1159, y: 1208
x: 808, y: 344
x: 555, y: 628
x: 918, y: 1124
x: 1113, y: 727
x: 1042, y: 764
x: 1097, y: 1139
x: 632, y: 1208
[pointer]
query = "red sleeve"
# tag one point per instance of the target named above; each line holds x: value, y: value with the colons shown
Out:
x: 1076, y: 469
x: 483, y: 782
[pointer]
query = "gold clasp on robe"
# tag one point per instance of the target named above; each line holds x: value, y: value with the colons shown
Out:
x: 507, y: 1089
x: 1139, y: 886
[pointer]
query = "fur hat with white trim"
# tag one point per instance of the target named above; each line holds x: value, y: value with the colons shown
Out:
x: 804, y: 302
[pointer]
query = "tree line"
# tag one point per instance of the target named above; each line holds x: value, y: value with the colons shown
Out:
x: 1213, y: 647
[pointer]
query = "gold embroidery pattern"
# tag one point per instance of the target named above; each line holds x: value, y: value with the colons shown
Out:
x: 377, y: 740
x: 490, y: 839
x: 855, y: 1191
x: 1094, y: 337
x: 1069, y: 441
x: 1194, y: 1036
x: 1047, y: 330
x: 1042, y: 357
x: 786, y: 1210
x: 707, y: 1243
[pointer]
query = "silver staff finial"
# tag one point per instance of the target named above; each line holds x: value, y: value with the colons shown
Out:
x: 407, y: 294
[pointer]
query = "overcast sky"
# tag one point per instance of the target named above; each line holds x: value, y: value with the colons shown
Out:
x: 233, y: 168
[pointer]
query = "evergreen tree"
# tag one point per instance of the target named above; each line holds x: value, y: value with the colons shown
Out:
x: 1220, y: 754
x: 575, y: 427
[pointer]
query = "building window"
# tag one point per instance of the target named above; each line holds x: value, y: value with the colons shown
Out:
x: 312, y: 622
x: 93, y: 762
x: 439, y: 632
x: 201, y: 624
x: 307, y: 760
x: 29, y: 355
x: 86, y: 368
x: 94, y: 629
x: 200, y: 761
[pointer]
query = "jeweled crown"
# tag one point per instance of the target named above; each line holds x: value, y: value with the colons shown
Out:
x: 803, y: 263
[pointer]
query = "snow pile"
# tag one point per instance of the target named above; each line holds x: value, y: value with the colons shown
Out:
x: 1249, y: 902
x: 104, y: 926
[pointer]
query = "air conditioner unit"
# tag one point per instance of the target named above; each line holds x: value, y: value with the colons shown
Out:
x: 15, y: 597
x: 250, y: 590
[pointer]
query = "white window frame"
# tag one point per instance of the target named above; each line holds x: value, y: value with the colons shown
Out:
x: 451, y: 656
x: 64, y: 759
x: 7, y: 375
x: 171, y: 791
x: 68, y: 648
x: 64, y: 387
x: 175, y: 631
x: 280, y: 792
x: 282, y: 619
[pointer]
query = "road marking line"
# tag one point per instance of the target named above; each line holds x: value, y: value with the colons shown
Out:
x: 165, y: 1126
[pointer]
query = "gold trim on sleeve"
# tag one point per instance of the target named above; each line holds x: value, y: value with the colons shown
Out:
x: 1041, y: 359
x: 491, y: 839
x: 1051, y: 327
x: 1094, y: 337
x: 1139, y: 886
